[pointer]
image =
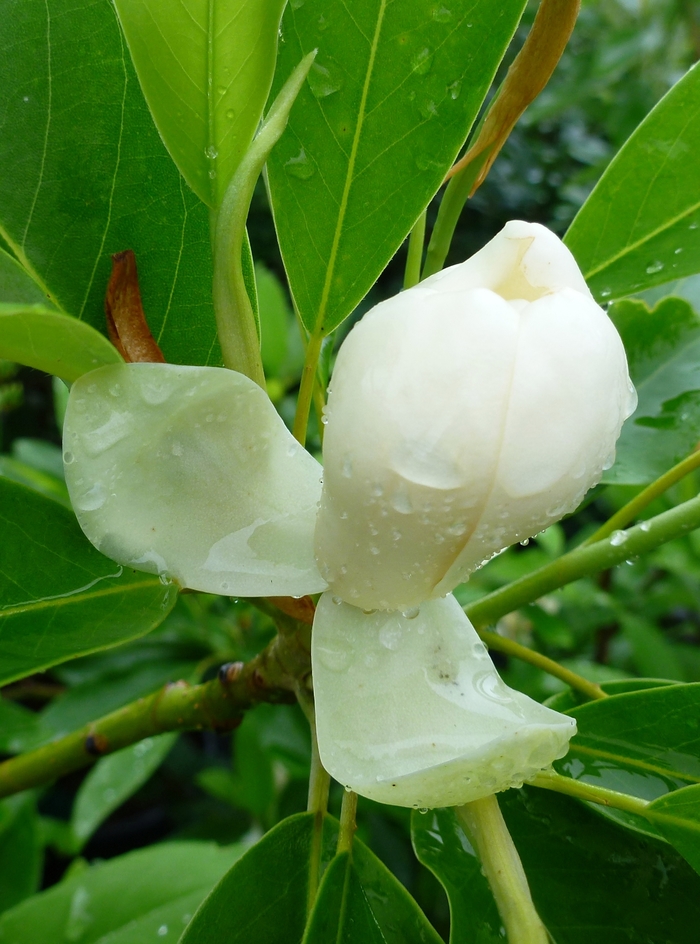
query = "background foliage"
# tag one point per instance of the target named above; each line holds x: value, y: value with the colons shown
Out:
x: 166, y: 801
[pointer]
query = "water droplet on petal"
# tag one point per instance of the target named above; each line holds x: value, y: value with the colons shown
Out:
x: 411, y: 613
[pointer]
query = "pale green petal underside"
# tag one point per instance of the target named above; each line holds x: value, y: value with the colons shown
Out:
x: 411, y: 711
x: 190, y: 472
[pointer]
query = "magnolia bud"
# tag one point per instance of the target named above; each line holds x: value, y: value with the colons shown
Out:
x: 465, y: 414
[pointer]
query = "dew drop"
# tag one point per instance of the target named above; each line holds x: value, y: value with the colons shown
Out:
x: 68, y: 458
x: 212, y: 174
x: 525, y: 542
x: 322, y: 23
x: 162, y: 930
x: 336, y: 600
x: 677, y: 251
x: 454, y: 89
x: 411, y: 613
x: 617, y: 538
x: 93, y: 498
x: 300, y: 166
x: 324, y: 80
x: 402, y: 503
x: 211, y: 152
x: 373, y: 549
x: 693, y: 226
x: 605, y: 293
x: 654, y: 267
x: 377, y: 491
x: 645, y: 526
x: 422, y: 62
x: 231, y: 114
x: 442, y: 15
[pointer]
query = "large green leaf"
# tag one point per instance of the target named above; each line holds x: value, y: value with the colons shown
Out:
x: 20, y: 850
x: 206, y: 70
x: 361, y: 902
x: 663, y: 350
x: 592, y: 881
x: 645, y: 743
x: 113, y: 780
x: 124, y: 893
x: 83, y: 174
x: 641, y: 225
x: 39, y: 337
x: 16, y: 285
x: 677, y: 816
x: 389, y: 101
x: 442, y: 846
x: 263, y: 898
x: 59, y: 597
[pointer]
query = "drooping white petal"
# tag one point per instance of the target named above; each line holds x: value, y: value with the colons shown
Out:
x: 411, y: 711
x: 465, y: 414
x: 190, y: 472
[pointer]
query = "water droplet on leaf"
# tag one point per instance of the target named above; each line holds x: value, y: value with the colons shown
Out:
x: 300, y: 166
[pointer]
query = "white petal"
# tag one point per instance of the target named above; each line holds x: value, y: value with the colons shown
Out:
x: 415, y: 416
x: 190, y: 472
x: 410, y: 710
x: 570, y: 395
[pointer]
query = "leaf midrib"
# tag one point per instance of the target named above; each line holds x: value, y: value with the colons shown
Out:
x: 76, y: 598
x: 320, y: 318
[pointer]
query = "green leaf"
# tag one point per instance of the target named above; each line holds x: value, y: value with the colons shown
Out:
x: 592, y: 881
x: 20, y: 851
x: 677, y: 817
x: 205, y: 70
x: 388, y: 103
x: 641, y: 225
x: 361, y: 902
x: 16, y: 286
x: 263, y: 898
x: 275, y: 321
x: 84, y: 174
x: 59, y: 597
x: 39, y: 337
x: 107, y: 897
x: 663, y: 350
x: 442, y: 846
x: 113, y: 780
x: 644, y: 743
x: 16, y: 723
x: 16, y: 471
x: 563, y: 701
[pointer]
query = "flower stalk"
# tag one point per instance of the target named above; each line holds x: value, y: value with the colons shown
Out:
x: 484, y: 825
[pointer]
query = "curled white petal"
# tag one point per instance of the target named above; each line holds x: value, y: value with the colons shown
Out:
x: 190, y: 472
x: 465, y: 414
x: 411, y: 711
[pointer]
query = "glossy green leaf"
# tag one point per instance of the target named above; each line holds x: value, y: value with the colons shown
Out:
x: 388, y: 103
x: 275, y: 321
x: 58, y: 344
x: 263, y: 897
x: 84, y: 174
x: 641, y: 225
x: 442, y: 846
x: 93, y: 905
x: 16, y: 723
x: 20, y: 851
x: 59, y: 597
x: 16, y: 471
x: 205, y: 70
x: 113, y: 780
x: 645, y: 743
x: 677, y: 817
x: 16, y: 286
x: 568, y: 699
x: 663, y: 350
x: 592, y: 881
x: 361, y: 902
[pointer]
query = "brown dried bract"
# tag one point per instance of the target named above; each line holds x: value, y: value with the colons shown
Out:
x: 126, y: 322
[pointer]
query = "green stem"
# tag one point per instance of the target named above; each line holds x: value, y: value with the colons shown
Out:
x: 515, y: 649
x: 414, y: 257
x: 483, y: 823
x: 306, y: 388
x: 348, y: 825
x: 272, y: 676
x: 319, y: 785
x: 453, y: 200
x: 586, y: 560
x: 235, y: 318
x: 550, y: 780
x: 633, y: 508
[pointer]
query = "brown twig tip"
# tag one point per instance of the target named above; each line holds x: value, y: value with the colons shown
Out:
x: 299, y: 608
x: 126, y: 323
x: 96, y: 745
x: 230, y: 672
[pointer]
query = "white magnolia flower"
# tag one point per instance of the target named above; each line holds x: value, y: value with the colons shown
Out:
x: 464, y: 414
